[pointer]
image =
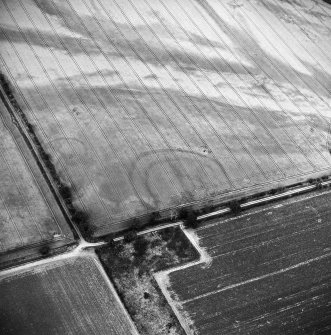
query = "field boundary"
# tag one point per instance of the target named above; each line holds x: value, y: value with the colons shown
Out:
x: 36, y: 167
x: 206, y: 206
x: 162, y: 279
x: 252, y: 202
x: 102, y: 270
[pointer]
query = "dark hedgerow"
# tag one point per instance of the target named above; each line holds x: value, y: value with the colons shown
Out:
x: 65, y: 192
x: 30, y: 128
x: 152, y: 219
x: 45, y: 156
x: 191, y: 220
x: 319, y: 184
x: 86, y: 229
x: 81, y: 219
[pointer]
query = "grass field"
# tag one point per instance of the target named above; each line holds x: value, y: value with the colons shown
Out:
x: 146, y: 105
x: 68, y: 296
x: 269, y: 272
x: 29, y: 215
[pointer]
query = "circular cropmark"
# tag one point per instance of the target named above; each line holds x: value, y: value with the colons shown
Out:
x: 171, y: 177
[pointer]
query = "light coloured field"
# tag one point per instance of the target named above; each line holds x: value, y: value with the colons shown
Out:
x: 29, y: 216
x: 68, y: 296
x: 148, y: 104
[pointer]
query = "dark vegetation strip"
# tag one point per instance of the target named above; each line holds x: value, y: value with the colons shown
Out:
x: 78, y: 217
x: 131, y: 263
x: 189, y: 213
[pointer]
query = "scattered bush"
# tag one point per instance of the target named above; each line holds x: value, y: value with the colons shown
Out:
x: 136, y: 223
x: 30, y: 128
x: 319, y: 185
x: 147, y: 295
x: 130, y: 236
x: 183, y: 213
x: 65, y: 191
x: 80, y: 217
x: 235, y: 207
x: 152, y: 219
x: 45, y: 250
x: 140, y: 247
x: 86, y: 229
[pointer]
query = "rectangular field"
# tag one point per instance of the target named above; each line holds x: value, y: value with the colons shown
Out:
x: 67, y: 296
x: 29, y: 215
x: 149, y: 104
x: 269, y: 273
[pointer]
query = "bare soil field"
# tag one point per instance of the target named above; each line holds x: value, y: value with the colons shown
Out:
x: 147, y: 105
x: 68, y: 296
x: 29, y: 215
x: 269, y: 272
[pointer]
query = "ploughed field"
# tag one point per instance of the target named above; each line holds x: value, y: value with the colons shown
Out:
x: 29, y: 216
x: 68, y: 296
x: 149, y: 104
x: 269, y: 272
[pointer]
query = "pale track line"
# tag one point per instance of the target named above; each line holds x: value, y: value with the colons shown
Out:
x: 77, y: 250
x: 298, y: 265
